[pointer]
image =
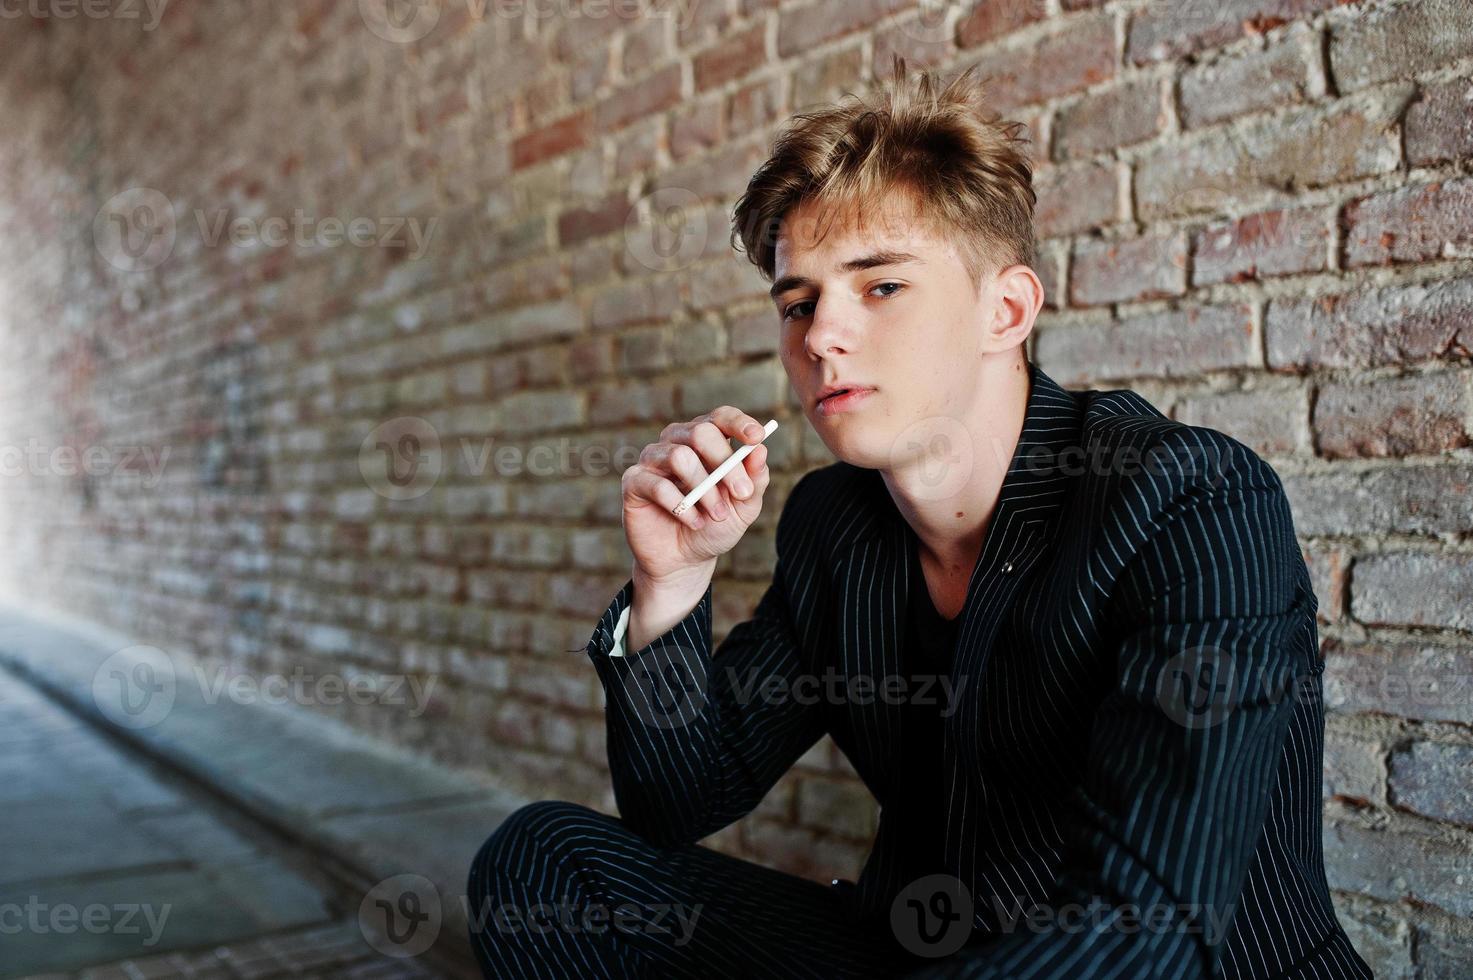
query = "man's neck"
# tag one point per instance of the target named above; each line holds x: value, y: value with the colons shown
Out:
x: 953, y: 527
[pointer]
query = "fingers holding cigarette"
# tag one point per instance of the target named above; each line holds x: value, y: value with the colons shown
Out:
x: 700, y: 489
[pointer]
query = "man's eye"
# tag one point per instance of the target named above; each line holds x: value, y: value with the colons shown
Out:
x: 789, y: 313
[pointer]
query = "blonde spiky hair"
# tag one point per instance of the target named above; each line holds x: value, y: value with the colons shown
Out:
x: 945, y: 148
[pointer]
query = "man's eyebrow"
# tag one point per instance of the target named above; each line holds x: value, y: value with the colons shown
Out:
x: 852, y: 265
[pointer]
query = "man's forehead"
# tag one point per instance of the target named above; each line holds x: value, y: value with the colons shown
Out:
x: 812, y: 234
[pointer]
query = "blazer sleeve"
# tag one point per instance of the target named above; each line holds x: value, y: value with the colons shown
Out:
x: 696, y: 738
x: 1216, y: 622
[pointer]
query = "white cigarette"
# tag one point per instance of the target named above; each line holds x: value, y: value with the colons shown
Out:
x: 720, y: 471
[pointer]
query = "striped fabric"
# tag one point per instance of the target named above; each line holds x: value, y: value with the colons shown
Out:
x: 1138, y: 725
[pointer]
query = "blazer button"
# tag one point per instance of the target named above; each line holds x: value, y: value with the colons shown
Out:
x: 1007, y: 568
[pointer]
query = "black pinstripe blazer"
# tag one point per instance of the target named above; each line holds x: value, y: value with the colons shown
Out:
x: 1139, y: 720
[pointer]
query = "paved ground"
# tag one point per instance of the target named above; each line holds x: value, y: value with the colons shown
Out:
x: 218, y: 839
x: 108, y: 860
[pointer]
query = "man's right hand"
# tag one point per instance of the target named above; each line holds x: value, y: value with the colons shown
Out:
x: 674, y: 557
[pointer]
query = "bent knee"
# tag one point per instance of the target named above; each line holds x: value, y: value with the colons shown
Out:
x: 546, y: 829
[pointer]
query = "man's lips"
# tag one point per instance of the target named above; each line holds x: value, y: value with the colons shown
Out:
x: 843, y: 391
x: 843, y: 401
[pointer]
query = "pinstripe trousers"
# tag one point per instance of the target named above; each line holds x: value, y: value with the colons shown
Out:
x: 562, y: 890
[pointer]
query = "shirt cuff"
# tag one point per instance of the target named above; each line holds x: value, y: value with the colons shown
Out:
x: 619, y: 628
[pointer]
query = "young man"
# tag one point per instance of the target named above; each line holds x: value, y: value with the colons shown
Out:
x: 1100, y: 751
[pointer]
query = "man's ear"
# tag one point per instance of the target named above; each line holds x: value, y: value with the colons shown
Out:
x: 1017, y: 296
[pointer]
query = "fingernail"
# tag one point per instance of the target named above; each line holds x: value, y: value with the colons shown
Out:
x: 753, y: 430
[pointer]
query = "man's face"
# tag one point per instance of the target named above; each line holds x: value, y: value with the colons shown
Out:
x: 912, y: 328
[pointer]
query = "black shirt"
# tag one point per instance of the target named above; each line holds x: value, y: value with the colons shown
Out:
x: 926, y: 657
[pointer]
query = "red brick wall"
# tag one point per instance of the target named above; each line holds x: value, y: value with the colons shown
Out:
x: 1256, y: 212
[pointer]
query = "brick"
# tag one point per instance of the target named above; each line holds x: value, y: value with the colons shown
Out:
x: 736, y: 55
x: 1118, y: 116
x: 1261, y: 246
x: 755, y: 106
x: 643, y: 351
x: 755, y: 389
x: 1171, y: 344
x: 988, y: 21
x: 1413, y: 224
x: 1272, y: 422
x: 629, y: 302
x: 1076, y: 199
x: 1328, y: 577
x: 1382, y: 938
x: 1391, y: 325
x: 1124, y: 269
x: 1426, y: 499
x: 780, y: 845
x: 724, y: 282
x: 696, y: 128
x: 699, y: 342
x: 754, y: 333
x: 1398, y: 41
x: 1439, y: 127
x: 825, y: 78
x: 646, y: 42
x: 1392, y: 864
x: 540, y: 411
x: 590, y: 221
x: 569, y: 133
x: 1432, y: 779
x: 1307, y: 147
x: 626, y: 403
x: 840, y: 807
x: 1246, y: 81
x: 699, y: 24
x: 1413, y: 589
x: 923, y: 38
x: 1423, y: 413
x: 536, y: 323
x: 656, y: 92
x: 1049, y: 267
x: 1401, y: 680
x: 1354, y: 768
x: 1166, y: 29
x: 1070, y: 59
x: 801, y: 29
x: 1443, y: 953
